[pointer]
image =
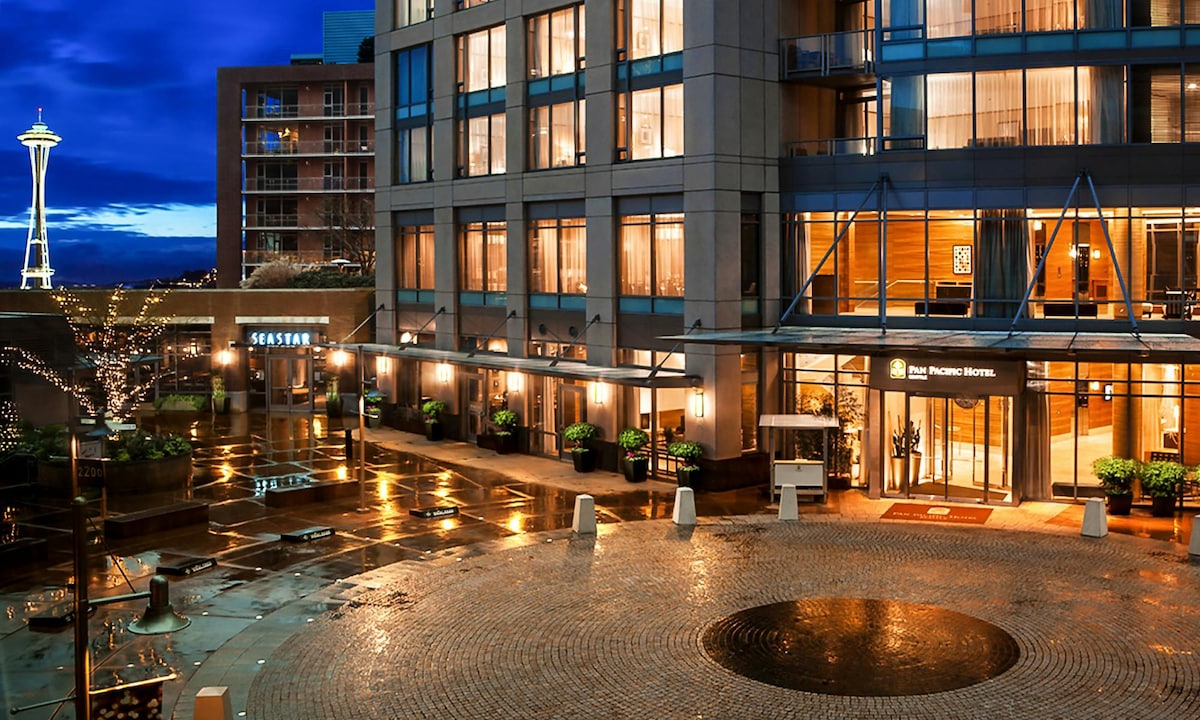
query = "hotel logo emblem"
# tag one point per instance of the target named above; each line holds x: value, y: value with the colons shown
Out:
x: 898, y: 369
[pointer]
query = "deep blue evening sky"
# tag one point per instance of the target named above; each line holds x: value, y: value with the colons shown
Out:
x: 131, y: 88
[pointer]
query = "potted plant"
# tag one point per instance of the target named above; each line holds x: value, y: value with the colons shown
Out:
x: 220, y: 398
x: 581, y: 455
x: 433, y: 410
x: 1116, y: 478
x: 1161, y: 480
x: 333, y: 399
x: 506, y: 425
x: 371, y: 405
x: 637, y: 465
x: 687, y: 452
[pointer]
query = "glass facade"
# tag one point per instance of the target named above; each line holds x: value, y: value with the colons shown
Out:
x: 555, y: 89
x: 414, y: 115
x: 480, y: 101
x: 651, y: 251
x: 558, y: 256
x: 483, y: 263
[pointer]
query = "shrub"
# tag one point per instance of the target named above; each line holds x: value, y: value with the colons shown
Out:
x: 50, y: 441
x: 371, y: 402
x: 274, y: 274
x: 197, y: 402
x: 579, y: 433
x: 687, y: 451
x: 218, y: 389
x: 329, y: 279
x: 433, y: 409
x: 1116, y: 474
x: 1162, y: 478
x: 505, y: 421
x: 632, y: 440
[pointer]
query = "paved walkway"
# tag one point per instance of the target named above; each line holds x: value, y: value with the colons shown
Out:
x: 548, y: 625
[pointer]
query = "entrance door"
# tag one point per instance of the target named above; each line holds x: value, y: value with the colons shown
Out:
x: 572, y: 405
x: 952, y: 449
x: 289, y: 383
x: 476, y: 406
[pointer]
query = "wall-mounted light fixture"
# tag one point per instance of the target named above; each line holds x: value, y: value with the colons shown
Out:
x: 406, y: 338
x: 516, y: 382
x: 444, y: 373
x: 383, y: 364
x: 224, y: 357
x: 698, y: 403
x: 599, y: 393
x: 339, y: 358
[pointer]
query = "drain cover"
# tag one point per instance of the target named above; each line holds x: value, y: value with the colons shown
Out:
x: 860, y: 646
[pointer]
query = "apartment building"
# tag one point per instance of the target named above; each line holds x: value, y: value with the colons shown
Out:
x: 296, y: 160
x: 966, y: 233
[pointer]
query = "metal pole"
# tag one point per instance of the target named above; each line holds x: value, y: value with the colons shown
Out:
x: 362, y: 433
x: 83, y: 700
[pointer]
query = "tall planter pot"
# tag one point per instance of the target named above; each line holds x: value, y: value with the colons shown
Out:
x: 1120, y: 504
x: 637, y: 469
x: 584, y: 460
x: 506, y: 444
x: 687, y: 476
x: 433, y: 431
x: 1162, y: 506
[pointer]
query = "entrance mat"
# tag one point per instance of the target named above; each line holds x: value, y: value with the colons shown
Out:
x: 938, y: 513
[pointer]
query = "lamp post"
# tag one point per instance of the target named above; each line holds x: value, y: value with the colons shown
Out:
x: 362, y: 431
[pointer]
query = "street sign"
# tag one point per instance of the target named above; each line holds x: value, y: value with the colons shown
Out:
x: 89, y: 472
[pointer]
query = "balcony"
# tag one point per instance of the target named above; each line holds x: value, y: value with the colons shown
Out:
x: 318, y: 184
x: 310, y: 111
x: 833, y: 146
x: 318, y: 258
x: 276, y: 147
x: 844, y: 58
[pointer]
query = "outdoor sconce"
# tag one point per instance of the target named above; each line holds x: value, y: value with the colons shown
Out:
x: 383, y: 365
x: 339, y: 358
x: 599, y: 393
x: 698, y: 403
x: 224, y: 357
x: 406, y: 338
x: 444, y: 373
x: 516, y: 382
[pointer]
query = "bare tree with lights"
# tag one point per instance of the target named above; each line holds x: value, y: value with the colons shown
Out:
x: 110, y: 346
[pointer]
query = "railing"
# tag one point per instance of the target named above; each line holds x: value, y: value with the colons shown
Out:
x: 309, y: 184
x: 833, y: 146
x: 827, y: 54
x: 314, y: 110
x: 269, y: 220
x: 299, y: 257
x: 308, y: 147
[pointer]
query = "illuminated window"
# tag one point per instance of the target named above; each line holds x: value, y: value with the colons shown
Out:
x: 414, y: 115
x: 414, y: 257
x: 647, y: 28
x: 481, y: 121
x: 649, y: 79
x: 556, y: 88
x: 483, y: 262
x: 411, y: 12
x: 558, y: 256
x: 651, y: 248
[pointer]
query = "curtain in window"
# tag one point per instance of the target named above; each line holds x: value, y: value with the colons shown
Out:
x: 539, y: 46
x: 998, y: 108
x: 562, y: 47
x: 647, y: 124
x: 997, y: 16
x: 635, y: 255
x: 1050, y: 111
x: 1096, y: 14
x: 672, y: 32
x: 949, y: 110
x: 1048, y: 15
x: 672, y: 145
x: 543, y: 258
x: 644, y: 30
x: 563, y: 134
x: 906, y: 13
x: 668, y: 255
x: 1003, y: 256
x: 497, y: 75
x: 471, y: 258
x: 497, y: 257
x: 1102, y: 92
x: 425, y: 258
x: 907, y: 106
x: 496, y: 144
x: 573, y: 257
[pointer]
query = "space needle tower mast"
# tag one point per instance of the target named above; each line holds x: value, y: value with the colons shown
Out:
x: 39, y: 139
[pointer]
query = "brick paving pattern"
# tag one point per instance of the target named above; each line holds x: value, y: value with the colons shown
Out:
x: 612, y: 626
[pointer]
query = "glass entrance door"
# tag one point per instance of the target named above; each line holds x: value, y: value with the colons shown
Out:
x: 289, y: 383
x: 955, y: 449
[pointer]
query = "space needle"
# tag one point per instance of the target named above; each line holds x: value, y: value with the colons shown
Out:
x: 37, y: 271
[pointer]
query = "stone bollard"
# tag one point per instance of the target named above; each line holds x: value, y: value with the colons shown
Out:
x: 789, y: 508
x: 585, y: 515
x: 1095, y: 522
x: 685, y: 506
x: 213, y: 703
x: 1194, y: 543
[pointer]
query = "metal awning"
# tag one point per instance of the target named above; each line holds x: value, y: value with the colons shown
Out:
x: 1022, y: 344
x: 564, y: 368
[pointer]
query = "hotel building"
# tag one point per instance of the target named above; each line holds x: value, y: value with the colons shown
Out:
x: 966, y: 231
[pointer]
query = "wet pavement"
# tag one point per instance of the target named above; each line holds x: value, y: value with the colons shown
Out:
x: 508, y: 599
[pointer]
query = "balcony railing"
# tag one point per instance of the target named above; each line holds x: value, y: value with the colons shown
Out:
x: 314, y: 110
x: 833, y: 146
x: 828, y: 54
x: 273, y: 220
x: 309, y: 184
x: 308, y: 147
x: 322, y: 258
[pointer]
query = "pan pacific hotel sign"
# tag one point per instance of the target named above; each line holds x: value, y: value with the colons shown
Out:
x: 949, y: 376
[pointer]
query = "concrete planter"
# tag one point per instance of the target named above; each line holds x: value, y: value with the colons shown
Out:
x: 173, y: 473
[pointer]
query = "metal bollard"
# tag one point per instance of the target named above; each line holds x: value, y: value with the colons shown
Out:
x: 1095, y: 522
x: 213, y: 703
x: 685, y: 507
